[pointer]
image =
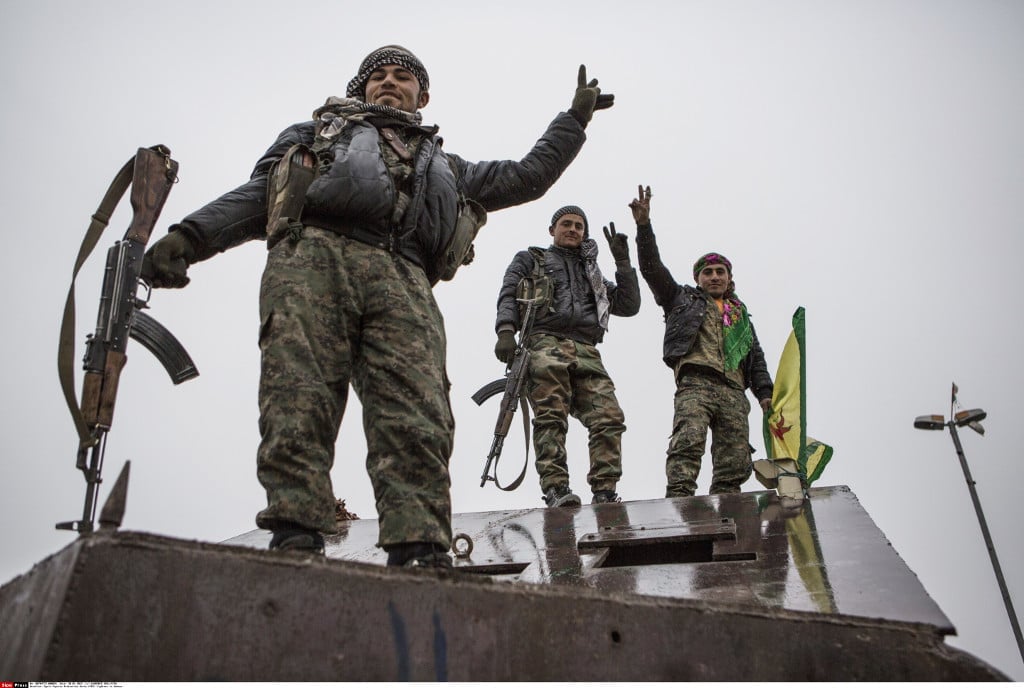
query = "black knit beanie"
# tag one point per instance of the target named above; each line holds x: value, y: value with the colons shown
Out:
x: 572, y: 210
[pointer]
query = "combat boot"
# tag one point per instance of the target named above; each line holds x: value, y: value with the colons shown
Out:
x: 606, y: 497
x: 419, y: 554
x: 560, y: 495
x: 295, y: 538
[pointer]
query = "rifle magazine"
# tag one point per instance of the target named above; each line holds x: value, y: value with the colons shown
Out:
x: 162, y: 344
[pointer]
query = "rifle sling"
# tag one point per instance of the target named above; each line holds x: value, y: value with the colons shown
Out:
x: 526, y: 461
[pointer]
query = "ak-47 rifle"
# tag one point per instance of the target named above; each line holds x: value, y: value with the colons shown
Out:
x: 512, y: 384
x: 151, y: 173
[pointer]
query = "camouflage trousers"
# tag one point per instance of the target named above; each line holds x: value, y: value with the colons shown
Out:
x: 565, y: 378
x: 704, y: 401
x: 335, y: 312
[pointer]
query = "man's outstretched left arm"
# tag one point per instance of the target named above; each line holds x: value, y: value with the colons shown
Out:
x: 498, y: 184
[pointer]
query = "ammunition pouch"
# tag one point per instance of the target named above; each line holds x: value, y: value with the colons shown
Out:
x: 536, y: 286
x: 287, y: 182
x: 459, y: 250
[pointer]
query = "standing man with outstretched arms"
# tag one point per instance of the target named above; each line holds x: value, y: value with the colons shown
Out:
x: 346, y: 297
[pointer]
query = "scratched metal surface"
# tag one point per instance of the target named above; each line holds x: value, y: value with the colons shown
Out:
x: 825, y: 557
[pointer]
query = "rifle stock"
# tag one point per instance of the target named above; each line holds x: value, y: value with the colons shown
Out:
x: 152, y: 179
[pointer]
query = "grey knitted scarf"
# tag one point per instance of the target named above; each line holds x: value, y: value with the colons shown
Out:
x: 588, y: 250
x: 332, y: 116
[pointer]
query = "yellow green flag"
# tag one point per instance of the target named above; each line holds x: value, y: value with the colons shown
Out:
x: 785, y: 428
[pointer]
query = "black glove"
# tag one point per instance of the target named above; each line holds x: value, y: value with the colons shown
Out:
x: 506, y: 346
x: 588, y: 98
x: 618, y: 243
x: 166, y: 262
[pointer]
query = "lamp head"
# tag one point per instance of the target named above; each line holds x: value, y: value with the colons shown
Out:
x: 932, y: 422
x: 969, y: 416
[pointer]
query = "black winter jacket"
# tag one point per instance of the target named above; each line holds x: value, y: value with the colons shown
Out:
x: 354, y: 190
x: 572, y: 312
x: 685, y: 307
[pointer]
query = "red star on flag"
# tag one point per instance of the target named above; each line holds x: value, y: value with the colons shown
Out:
x: 780, y: 429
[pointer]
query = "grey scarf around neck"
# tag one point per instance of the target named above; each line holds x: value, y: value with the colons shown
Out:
x: 333, y: 115
x: 588, y: 251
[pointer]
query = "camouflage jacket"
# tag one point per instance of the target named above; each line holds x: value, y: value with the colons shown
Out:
x: 354, y: 190
x: 685, y: 307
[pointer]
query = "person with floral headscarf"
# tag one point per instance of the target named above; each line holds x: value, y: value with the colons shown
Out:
x: 566, y: 375
x: 346, y: 297
x: 711, y: 346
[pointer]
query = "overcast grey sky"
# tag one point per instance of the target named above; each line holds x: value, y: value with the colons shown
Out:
x: 862, y: 159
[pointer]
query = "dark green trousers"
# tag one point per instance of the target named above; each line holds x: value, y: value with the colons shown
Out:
x: 568, y: 378
x: 706, y: 402
x: 336, y: 312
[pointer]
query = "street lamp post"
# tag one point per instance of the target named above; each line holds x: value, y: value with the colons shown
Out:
x: 972, y: 418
